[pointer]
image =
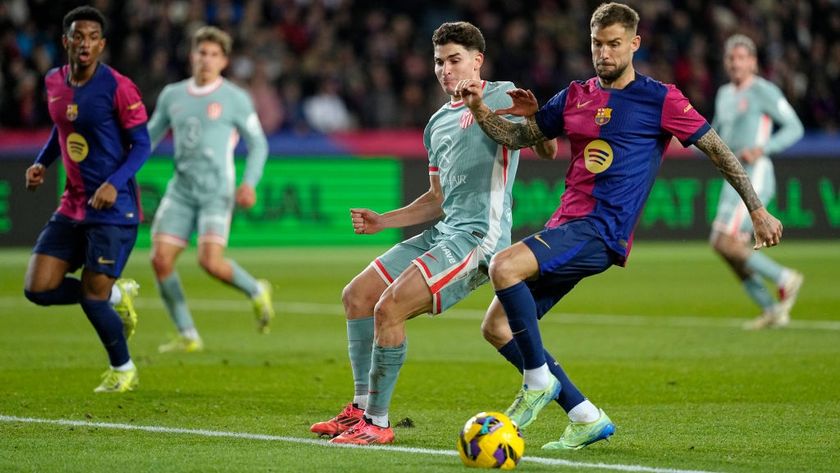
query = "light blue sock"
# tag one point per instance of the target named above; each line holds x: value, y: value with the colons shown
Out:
x: 360, y: 347
x: 243, y: 281
x: 385, y: 367
x: 758, y: 292
x: 760, y: 263
x: 176, y: 304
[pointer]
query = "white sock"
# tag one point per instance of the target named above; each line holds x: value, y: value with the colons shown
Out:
x: 784, y: 277
x: 190, y: 333
x: 116, y: 295
x: 127, y: 366
x: 537, y: 378
x: 360, y: 400
x: 379, y: 421
x: 584, y: 412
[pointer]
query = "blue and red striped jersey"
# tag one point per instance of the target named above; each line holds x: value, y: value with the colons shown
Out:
x: 618, y: 138
x: 93, y: 130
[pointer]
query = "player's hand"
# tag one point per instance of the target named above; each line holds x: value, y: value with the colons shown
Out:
x: 246, y: 196
x: 366, y: 221
x: 524, y: 104
x: 104, y: 197
x: 471, y: 92
x: 768, y: 229
x: 749, y: 155
x: 35, y: 176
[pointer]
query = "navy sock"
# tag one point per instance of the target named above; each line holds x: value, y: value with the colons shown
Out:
x: 569, y: 396
x: 522, y: 317
x: 109, y: 327
x: 68, y: 292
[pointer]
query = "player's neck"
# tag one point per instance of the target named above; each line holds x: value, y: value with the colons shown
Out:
x: 79, y: 74
x: 745, y: 83
x: 628, y: 76
x: 201, y: 81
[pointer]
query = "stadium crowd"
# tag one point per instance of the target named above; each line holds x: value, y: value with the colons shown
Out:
x: 332, y: 65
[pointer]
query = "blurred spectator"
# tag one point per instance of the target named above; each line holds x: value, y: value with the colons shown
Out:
x: 379, y: 58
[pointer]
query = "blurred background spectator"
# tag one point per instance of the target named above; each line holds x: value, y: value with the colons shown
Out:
x: 332, y: 65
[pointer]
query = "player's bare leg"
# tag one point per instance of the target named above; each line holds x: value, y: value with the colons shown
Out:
x: 211, y: 258
x: 165, y: 252
x: 407, y: 297
x: 359, y: 298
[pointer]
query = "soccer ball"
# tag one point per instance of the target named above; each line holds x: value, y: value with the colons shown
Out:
x: 490, y: 440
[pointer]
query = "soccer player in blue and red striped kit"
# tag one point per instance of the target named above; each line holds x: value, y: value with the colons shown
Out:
x: 619, y: 124
x: 100, y: 134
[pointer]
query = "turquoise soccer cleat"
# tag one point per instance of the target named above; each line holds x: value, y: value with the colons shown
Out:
x: 580, y: 434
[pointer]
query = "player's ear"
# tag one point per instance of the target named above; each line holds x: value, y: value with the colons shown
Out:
x: 479, y: 60
x: 635, y: 43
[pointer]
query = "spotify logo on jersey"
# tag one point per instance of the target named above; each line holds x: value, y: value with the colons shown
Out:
x: 598, y: 156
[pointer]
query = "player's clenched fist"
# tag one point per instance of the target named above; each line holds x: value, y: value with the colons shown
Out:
x: 365, y: 221
x: 471, y: 91
x: 35, y: 176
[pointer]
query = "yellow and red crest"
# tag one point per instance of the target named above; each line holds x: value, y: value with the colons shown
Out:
x: 603, y: 116
x: 72, y: 112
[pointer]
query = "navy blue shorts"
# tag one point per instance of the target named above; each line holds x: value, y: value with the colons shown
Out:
x: 100, y: 248
x: 565, y: 254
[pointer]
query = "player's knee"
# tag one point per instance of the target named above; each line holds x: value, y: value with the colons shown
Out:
x: 37, y: 297
x: 502, y: 271
x: 161, y: 265
x: 213, y: 266
x: 356, y: 301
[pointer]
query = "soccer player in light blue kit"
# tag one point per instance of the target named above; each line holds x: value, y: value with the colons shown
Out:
x: 746, y: 110
x: 100, y: 135
x: 470, y: 179
x: 619, y: 125
x: 207, y: 114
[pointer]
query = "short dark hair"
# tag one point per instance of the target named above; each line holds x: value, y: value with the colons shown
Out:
x: 609, y: 14
x: 84, y: 13
x: 459, y: 32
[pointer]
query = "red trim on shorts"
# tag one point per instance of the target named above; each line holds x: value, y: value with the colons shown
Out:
x: 445, y: 280
x: 383, y: 270
x: 425, y: 268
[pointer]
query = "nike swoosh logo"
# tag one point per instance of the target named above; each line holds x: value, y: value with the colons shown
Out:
x: 102, y: 260
x: 54, y: 99
x: 539, y: 239
x: 135, y: 105
x: 581, y: 105
x: 687, y: 108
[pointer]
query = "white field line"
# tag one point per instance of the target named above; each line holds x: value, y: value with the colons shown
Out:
x: 314, y: 308
x: 324, y: 443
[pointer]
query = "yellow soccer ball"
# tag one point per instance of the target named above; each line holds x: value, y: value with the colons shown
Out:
x: 490, y: 440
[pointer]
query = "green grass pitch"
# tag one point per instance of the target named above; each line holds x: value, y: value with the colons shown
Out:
x: 658, y: 345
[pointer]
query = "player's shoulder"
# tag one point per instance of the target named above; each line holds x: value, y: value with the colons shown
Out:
x: 234, y: 90
x: 495, y: 87
x: 117, y: 76
x: 56, y: 76
x: 766, y: 88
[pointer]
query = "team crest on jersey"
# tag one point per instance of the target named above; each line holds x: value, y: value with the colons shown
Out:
x: 214, y: 110
x: 603, y: 115
x: 72, y: 112
x: 598, y: 156
x: 467, y: 119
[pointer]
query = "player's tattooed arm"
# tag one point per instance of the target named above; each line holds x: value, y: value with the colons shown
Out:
x: 507, y: 133
x: 726, y: 162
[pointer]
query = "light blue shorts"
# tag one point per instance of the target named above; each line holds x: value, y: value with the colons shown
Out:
x: 732, y: 217
x: 452, y: 265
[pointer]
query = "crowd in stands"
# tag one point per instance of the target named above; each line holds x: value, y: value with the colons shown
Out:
x: 333, y: 65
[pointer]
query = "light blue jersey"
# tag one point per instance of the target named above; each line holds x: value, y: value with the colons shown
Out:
x: 744, y: 119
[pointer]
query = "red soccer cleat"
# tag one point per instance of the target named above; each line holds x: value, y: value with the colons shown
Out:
x: 365, y: 433
x: 345, y: 419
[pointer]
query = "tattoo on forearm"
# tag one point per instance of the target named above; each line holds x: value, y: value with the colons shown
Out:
x: 507, y: 133
x: 730, y: 167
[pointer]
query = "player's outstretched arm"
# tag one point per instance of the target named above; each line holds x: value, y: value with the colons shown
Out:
x: 425, y: 208
x: 502, y: 131
x: 768, y: 229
